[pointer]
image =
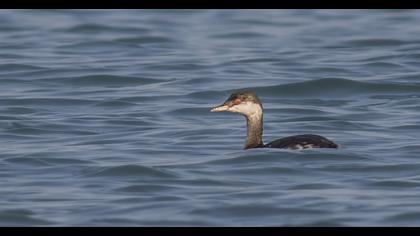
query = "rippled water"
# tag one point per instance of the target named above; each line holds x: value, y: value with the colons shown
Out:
x: 105, y: 117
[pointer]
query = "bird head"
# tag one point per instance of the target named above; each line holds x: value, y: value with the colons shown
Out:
x: 244, y: 102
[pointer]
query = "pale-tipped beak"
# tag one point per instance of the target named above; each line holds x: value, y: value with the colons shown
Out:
x: 220, y: 108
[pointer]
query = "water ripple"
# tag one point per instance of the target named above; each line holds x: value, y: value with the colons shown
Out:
x: 105, y: 117
x: 131, y: 170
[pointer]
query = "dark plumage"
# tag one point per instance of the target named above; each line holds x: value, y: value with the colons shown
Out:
x: 248, y: 104
x: 302, y: 141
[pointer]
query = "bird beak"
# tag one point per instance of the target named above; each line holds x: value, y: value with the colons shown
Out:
x: 220, y: 108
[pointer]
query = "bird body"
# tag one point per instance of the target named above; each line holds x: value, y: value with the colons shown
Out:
x: 302, y: 141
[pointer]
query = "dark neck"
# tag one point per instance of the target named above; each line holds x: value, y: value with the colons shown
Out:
x: 255, y: 130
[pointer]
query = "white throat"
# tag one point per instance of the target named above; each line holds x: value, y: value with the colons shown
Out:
x: 254, y: 116
x: 249, y: 109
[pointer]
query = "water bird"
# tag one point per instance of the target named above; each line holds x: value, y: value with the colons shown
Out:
x: 248, y: 104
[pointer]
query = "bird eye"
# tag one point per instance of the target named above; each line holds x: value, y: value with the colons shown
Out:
x: 237, y: 101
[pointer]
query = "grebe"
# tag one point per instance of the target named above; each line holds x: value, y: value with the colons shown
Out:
x: 248, y: 104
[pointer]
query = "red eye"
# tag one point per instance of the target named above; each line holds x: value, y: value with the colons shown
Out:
x: 237, y: 101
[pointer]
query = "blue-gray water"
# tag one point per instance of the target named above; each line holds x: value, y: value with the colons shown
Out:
x: 105, y: 117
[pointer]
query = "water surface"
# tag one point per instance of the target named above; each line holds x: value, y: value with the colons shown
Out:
x: 105, y: 121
